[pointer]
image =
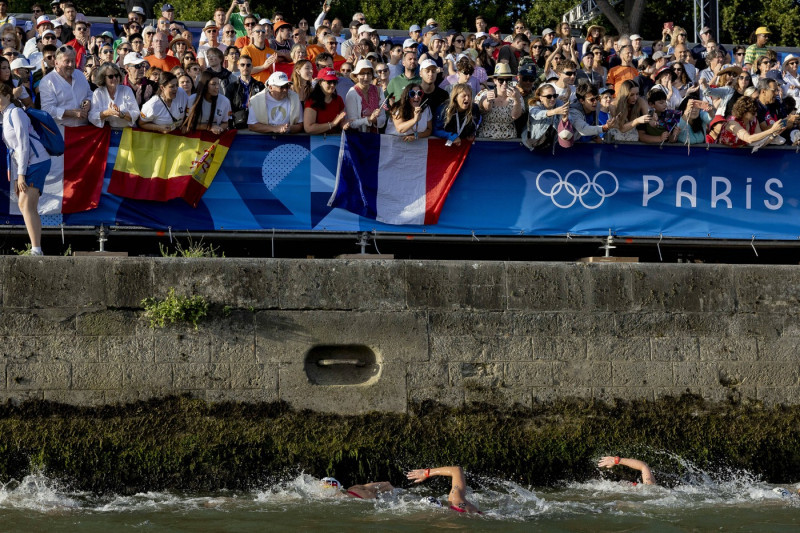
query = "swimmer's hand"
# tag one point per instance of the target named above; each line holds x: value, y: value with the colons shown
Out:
x: 419, y: 475
x: 608, y: 462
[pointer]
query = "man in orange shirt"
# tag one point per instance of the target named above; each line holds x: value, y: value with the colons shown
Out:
x: 159, y: 58
x: 625, y: 70
x: 330, y: 47
x: 263, y: 56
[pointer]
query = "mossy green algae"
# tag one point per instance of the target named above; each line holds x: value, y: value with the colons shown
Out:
x: 188, y: 444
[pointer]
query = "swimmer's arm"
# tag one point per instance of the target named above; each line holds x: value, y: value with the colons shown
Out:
x: 458, y: 488
x: 641, y: 466
x: 380, y: 486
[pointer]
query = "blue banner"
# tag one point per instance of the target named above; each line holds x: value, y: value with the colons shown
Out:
x: 268, y: 183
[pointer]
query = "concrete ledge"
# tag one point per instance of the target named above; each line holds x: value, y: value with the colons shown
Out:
x: 496, y: 333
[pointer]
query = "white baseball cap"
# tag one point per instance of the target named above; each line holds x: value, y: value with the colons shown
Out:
x: 44, y: 19
x: 636, y: 37
x: 428, y: 63
x: 365, y: 28
x: 21, y: 62
x: 139, y: 10
x: 278, y: 79
x: 408, y: 43
x: 132, y: 59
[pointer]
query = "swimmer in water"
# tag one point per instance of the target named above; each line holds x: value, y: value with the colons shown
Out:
x: 368, y: 491
x: 641, y: 466
x: 458, y: 492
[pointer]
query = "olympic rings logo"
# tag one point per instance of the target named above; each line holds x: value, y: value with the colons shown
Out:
x: 590, y: 192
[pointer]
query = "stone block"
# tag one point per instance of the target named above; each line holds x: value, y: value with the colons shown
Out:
x: 456, y: 285
x: 762, y: 325
x: 18, y: 397
x: 778, y: 395
x: 480, y: 349
x: 66, y: 282
x: 187, y: 346
x: 683, y: 288
x: 429, y: 375
x: 675, y: 349
x: 97, y: 376
x: 605, y: 348
x: 641, y: 374
x: 728, y: 348
x: 481, y: 375
x: 613, y: 394
x: 254, y: 376
x: 587, y: 324
x: 447, y: 396
x: 503, y: 398
x: 767, y: 288
x: 535, y: 324
x: 233, y: 338
x: 340, y: 284
x: 528, y: 375
x: 545, y: 286
x: 384, y: 393
x: 472, y: 323
x: 109, y: 322
x: 759, y: 374
x: 704, y: 324
x: 38, y: 376
x: 552, y: 393
x: 608, y: 289
x: 241, y: 283
x: 80, y: 398
x: 582, y: 374
x: 649, y: 324
x: 786, y: 349
x: 138, y: 349
x: 193, y: 376
x: 559, y: 348
x: 52, y: 348
x: 18, y: 349
x: 152, y: 377
x: 696, y: 375
x: 287, y: 336
x: 128, y: 282
x: 52, y: 321
x: 241, y: 395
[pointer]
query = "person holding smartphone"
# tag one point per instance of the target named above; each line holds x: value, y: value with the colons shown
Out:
x: 693, y: 125
x: 500, y: 106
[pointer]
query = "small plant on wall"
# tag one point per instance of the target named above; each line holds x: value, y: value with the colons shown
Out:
x: 174, y: 308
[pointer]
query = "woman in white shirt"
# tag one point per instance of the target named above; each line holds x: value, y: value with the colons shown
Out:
x: 112, y: 103
x: 165, y: 111
x: 363, y: 100
x: 29, y: 162
x: 410, y: 120
x: 208, y: 109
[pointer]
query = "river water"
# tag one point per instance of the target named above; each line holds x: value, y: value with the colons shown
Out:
x: 701, y: 501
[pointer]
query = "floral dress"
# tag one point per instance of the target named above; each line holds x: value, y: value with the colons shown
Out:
x: 497, y: 122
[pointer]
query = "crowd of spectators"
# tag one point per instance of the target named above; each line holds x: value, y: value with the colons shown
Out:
x: 280, y: 77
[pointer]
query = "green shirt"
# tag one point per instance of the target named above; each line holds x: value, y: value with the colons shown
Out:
x: 398, y: 83
x: 753, y: 52
x: 237, y: 21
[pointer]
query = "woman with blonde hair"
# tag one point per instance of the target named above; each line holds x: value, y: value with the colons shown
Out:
x: 631, y: 111
x: 459, y: 118
x: 678, y: 37
x: 298, y: 53
x: 302, y: 79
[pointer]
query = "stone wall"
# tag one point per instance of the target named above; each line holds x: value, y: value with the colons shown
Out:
x: 450, y: 331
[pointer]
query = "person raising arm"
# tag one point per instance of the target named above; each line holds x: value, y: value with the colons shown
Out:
x: 641, y: 466
x: 458, y: 491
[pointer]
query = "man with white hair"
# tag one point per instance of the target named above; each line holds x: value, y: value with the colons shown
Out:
x: 277, y: 109
x: 65, y: 93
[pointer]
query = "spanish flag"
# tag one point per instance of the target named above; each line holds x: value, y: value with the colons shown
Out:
x: 160, y: 167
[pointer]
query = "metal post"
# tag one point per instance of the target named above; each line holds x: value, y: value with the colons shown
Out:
x: 101, y: 238
x: 363, y: 242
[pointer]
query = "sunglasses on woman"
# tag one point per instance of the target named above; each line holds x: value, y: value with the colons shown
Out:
x: 415, y: 93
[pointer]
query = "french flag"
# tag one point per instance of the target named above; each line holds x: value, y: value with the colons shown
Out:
x: 384, y: 178
x: 75, y: 180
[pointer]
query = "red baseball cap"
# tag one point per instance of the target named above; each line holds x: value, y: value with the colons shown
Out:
x: 327, y: 74
x: 494, y: 29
